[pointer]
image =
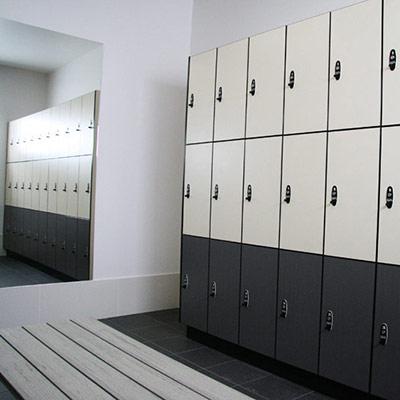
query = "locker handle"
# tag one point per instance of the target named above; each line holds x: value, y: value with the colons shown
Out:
x: 253, y: 87
x: 23, y: 186
x: 75, y: 188
x: 86, y: 253
x: 249, y: 193
x: 16, y: 186
x: 219, y: 97
x: 55, y: 187
x: 36, y: 237
x: 185, y: 281
x: 30, y: 186
x: 9, y: 185
x: 291, y: 79
x: 191, y: 102
x: 284, y: 308
x: 392, y: 60
x: 288, y: 194
x: 45, y: 187
x: 187, y: 194
x: 384, y: 334
x: 44, y: 241
x: 63, y: 244
x: 329, y: 320
x: 73, y: 250
x: 37, y: 186
x: 91, y: 124
x: 53, y: 243
x: 338, y: 70
x: 87, y: 188
x: 67, y: 131
x: 246, y: 298
x: 334, y: 195
x: 65, y: 187
x: 389, y: 197
x: 216, y: 192
x: 213, y: 292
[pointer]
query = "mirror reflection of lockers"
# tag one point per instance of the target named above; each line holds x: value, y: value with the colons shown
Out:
x: 48, y: 214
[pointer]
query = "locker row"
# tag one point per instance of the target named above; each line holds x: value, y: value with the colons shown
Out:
x: 276, y: 303
x: 58, y: 242
x: 320, y: 74
x: 254, y: 192
x: 64, y: 130
x: 60, y: 186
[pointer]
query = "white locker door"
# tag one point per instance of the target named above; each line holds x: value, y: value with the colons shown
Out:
x: 196, y: 216
x: 303, y: 192
x: 12, y: 126
x: 389, y: 227
x: 76, y: 113
x: 62, y: 186
x: 14, y: 183
x: 21, y: 184
x: 53, y: 187
x: 265, y: 83
x: 35, y: 185
x: 230, y: 91
x: 200, y: 107
x: 262, y: 191
x: 24, y: 127
x: 87, y: 129
x: 28, y: 184
x: 42, y: 140
x: 307, y: 63
x: 226, y: 191
x: 63, y: 143
x: 9, y: 183
x: 391, y: 63
x: 72, y: 186
x: 44, y: 185
x: 353, y: 158
x: 84, y: 186
x: 17, y: 140
x: 355, y: 66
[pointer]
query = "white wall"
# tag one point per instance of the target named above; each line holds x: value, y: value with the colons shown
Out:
x: 218, y: 22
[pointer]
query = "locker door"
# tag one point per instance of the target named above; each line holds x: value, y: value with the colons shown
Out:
x: 62, y: 186
x: 265, y: 83
x: 13, y: 180
x: 9, y: 182
x: 27, y: 166
x: 61, y: 244
x: 44, y: 188
x: 18, y: 140
x: 74, y: 139
x: 84, y: 186
x: 299, y: 299
x: 27, y: 230
x: 51, y: 136
x: 34, y: 245
x: 36, y: 166
x: 72, y: 186
x: 352, y: 188
x: 224, y: 286
x: 200, y: 111
x: 355, y: 66
x: 12, y: 126
x: 303, y: 186
x: 20, y: 235
x: 230, y: 91
x: 83, y: 250
x: 7, y: 227
x: 389, y: 230
x: 56, y: 135
x: 21, y: 184
x: 53, y: 186
x: 347, y: 303
x: 307, y: 62
x: 262, y: 191
x: 14, y: 231
x: 259, y: 273
x: 43, y: 244
x: 196, y: 215
x: 65, y: 132
x: 386, y: 348
x: 50, y: 255
x: 71, y: 246
x: 226, y: 208
x: 88, y: 121
x: 194, y: 281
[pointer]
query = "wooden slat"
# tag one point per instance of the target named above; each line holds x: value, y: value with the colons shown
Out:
x: 104, y: 375
x: 203, y: 384
x: 154, y: 380
x: 68, y: 379
x: 27, y: 381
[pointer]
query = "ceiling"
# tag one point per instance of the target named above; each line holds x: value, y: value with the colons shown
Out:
x: 28, y: 47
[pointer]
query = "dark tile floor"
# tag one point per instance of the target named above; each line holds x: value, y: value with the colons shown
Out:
x: 14, y: 272
x: 5, y: 394
x: 162, y: 331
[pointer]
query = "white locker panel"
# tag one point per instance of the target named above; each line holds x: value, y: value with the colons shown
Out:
x: 36, y: 185
x: 87, y: 129
x: 391, y: 66
x: 74, y: 138
x: 230, y: 91
x: 42, y: 147
x: 27, y: 166
x: 265, y: 83
x: 84, y: 186
x: 226, y: 191
x: 200, y: 108
x: 20, y: 168
x: 262, y: 191
x: 23, y: 137
x: 356, y: 45
x: 44, y: 185
x: 353, y: 158
x: 389, y: 227
x: 307, y: 63
x: 12, y: 128
x: 53, y: 187
x: 9, y: 184
x: 72, y: 186
x: 14, y: 184
x: 62, y: 187
x: 303, y: 192
x: 197, y: 188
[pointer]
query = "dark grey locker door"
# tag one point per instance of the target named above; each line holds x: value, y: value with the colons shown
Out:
x: 51, y: 240
x: 34, y: 235
x: 61, y: 235
x: 386, y: 351
x: 299, y: 300
x: 7, y: 227
x: 258, y: 299
x: 194, y: 281
x: 26, y: 239
x: 71, y: 246
x: 223, y: 304
x: 83, y: 245
x: 14, y: 229
x: 346, y: 323
x: 20, y: 230
x: 43, y: 243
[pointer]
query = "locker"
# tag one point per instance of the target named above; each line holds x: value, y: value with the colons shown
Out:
x: 44, y: 188
x: 265, y: 83
x: 226, y: 208
x: 194, y: 281
x: 299, y: 299
x: 388, y: 249
x: 307, y: 63
x: 83, y: 250
x: 355, y: 69
x: 351, y: 198
x: 18, y: 141
x: 52, y: 135
x: 19, y: 238
x: 303, y: 186
x: 261, y: 191
x: 20, y: 187
x: 230, y: 91
x: 7, y: 227
x: 62, y: 186
x: 27, y: 184
x: 259, y: 273
x: 61, y: 244
x: 200, y: 108
x: 35, y: 202
x: 197, y: 186
x: 386, y: 345
x: 84, y: 186
x: 27, y: 230
x: 72, y: 186
x: 34, y: 243
x: 43, y: 244
x: 224, y: 286
x: 65, y: 130
x: 88, y: 123
x: 12, y: 133
x: 74, y: 137
x: 8, y: 186
x: 51, y: 247
x: 71, y: 246
x: 346, y: 321
x: 14, y: 184
x: 53, y: 187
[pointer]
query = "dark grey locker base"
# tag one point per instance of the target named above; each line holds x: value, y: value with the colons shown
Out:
x: 224, y: 281
x: 194, y: 281
x: 386, y: 350
x: 82, y: 254
x: 348, y: 295
x: 299, y: 300
x: 259, y: 274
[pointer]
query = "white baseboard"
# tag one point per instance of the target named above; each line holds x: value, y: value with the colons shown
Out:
x: 26, y: 305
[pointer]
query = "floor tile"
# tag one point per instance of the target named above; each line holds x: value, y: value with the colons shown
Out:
x: 315, y: 396
x: 171, y: 315
x: 205, y: 357
x: 178, y: 344
x: 7, y: 396
x: 156, y: 332
x: 3, y: 387
x: 132, y: 321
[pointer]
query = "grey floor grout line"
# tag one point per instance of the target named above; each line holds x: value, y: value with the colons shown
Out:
x: 303, y: 395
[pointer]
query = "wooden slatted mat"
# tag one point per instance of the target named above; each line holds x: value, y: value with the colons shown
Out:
x: 89, y: 360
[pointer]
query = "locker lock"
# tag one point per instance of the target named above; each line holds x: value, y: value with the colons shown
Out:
x: 36, y: 237
x: 53, y: 243
x: 291, y: 80
x: 78, y: 128
x: 384, y: 334
x: 288, y: 193
x: 37, y: 186
x: 73, y: 250
x: 46, y: 187
x: 16, y: 185
x: 389, y: 197
x: 329, y: 320
x: 216, y: 192
x: 185, y: 281
x: 44, y: 241
x: 338, y: 69
x: 213, y: 292
x: 65, y: 187
x: 334, y: 195
x: 249, y: 193
x: 87, y: 188
x: 191, y: 102
x: 91, y: 125
x: 392, y: 60
x: 30, y: 186
x: 284, y: 308
x: 23, y: 186
x: 219, y: 97
x: 253, y: 87
x: 55, y: 187
x: 187, y: 194
x: 86, y: 253
x: 63, y: 245
x: 246, y: 298
x: 75, y: 188
x: 9, y: 185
